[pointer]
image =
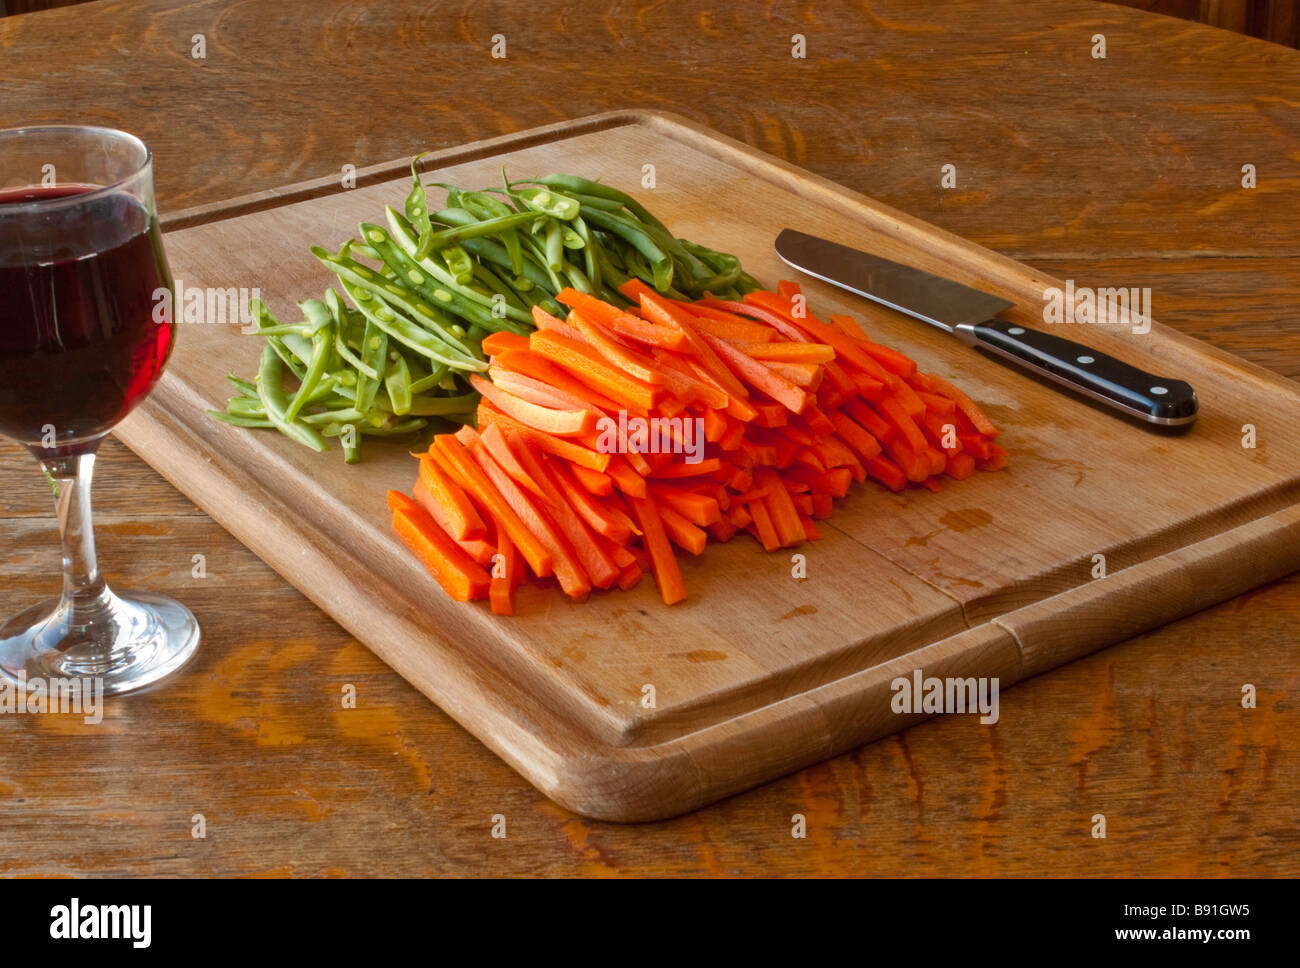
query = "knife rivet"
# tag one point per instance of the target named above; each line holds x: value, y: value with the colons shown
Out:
x: 1015, y: 331
x: 1085, y: 359
x: 1160, y: 391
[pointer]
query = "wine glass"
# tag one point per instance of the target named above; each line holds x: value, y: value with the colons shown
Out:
x: 85, y: 330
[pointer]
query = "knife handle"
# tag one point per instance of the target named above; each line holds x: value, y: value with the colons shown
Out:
x: 1155, y: 399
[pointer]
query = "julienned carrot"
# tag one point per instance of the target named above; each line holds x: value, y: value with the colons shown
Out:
x: 535, y: 391
x: 560, y: 423
x: 464, y: 520
x: 469, y: 474
x: 786, y: 352
x: 699, y: 509
x: 585, y: 364
x: 462, y: 578
x: 662, y: 311
x: 684, y: 534
x: 529, y: 364
x: 758, y: 376
x: 966, y: 405
x: 499, y: 342
x: 559, y: 446
x: 599, y: 567
x: 651, y: 334
x: 568, y: 570
x: 601, y: 516
x: 688, y: 469
x: 785, y: 519
x: 505, y: 567
x: 494, y: 440
x: 672, y: 588
x: 545, y: 321
x: 727, y: 325
x: 480, y: 549
x: 628, y: 360
x: 806, y: 375
x: 828, y: 408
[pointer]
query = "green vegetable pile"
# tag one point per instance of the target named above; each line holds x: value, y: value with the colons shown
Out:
x: 391, y: 359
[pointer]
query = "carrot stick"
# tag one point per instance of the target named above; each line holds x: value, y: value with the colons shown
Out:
x: 762, y: 523
x: 787, y: 352
x: 595, y: 482
x: 629, y: 361
x: 589, y: 367
x: 464, y: 520
x: 480, y: 549
x: 599, y: 567
x: 495, y: 440
x: 468, y: 472
x: 501, y: 594
x: 699, y: 509
x: 568, y: 570
x: 461, y: 577
x: 667, y: 574
x: 559, y: 446
x: 499, y: 342
x: 785, y: 518
x: 535, y: 391
x: 529, y: 364
x: 603, y: 518
x: 559, y: 423
x: 758, y: 376
x: 683, y: 533
x: 966, y: 405
x: 544, y: 320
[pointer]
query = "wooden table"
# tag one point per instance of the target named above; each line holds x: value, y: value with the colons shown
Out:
x: 1122, y: 171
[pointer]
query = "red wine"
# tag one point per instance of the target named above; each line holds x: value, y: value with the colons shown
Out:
x: 79, y: 343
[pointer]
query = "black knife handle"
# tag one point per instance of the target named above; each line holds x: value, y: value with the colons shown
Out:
x: 1155, y: 399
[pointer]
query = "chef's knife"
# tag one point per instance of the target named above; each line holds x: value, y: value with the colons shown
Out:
x: 971, y: 316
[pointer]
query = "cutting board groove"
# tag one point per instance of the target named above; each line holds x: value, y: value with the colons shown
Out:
x: 758, y: 673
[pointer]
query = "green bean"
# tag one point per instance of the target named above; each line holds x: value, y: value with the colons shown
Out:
x: 591, y: 252
x: 396, y: 430
x: 456, y: 298
x: 549, y: 203
x: 341, y: 335
x: 459, y: 263
x: 401, y: 254
x: 398, y: 384
x: 269, y: 377
x: 460, y: 233
x: 266, y: 320
x: 408, y: 333
x: 583, y: 186
x: 245, y: 387
x: 640, y: 239
x: 417, y: 206
x: 238, y: 421
x: 395, y: 292
x: 554, y: 247
x: 431, y: 381
x: 374, y: 352
x: 321, y: 321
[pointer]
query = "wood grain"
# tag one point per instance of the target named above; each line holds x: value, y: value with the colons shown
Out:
x: 1128, y: 166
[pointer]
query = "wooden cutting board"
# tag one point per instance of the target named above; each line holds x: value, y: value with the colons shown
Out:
x: 759, y: 673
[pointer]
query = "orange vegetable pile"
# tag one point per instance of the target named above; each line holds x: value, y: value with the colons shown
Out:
x: 586, y: 464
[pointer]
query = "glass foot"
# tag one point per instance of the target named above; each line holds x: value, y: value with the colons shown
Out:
x: 128, y: 641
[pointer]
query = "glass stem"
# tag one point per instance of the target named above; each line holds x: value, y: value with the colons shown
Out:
x: 84, y: 591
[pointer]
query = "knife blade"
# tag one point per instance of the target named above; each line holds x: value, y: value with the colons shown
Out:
x: 971, y: 316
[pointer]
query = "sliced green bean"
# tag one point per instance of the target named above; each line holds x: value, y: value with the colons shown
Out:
x: 408, y: 333
x: 238, y: 421
x: 398, y: 384
x: 269, y: 379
